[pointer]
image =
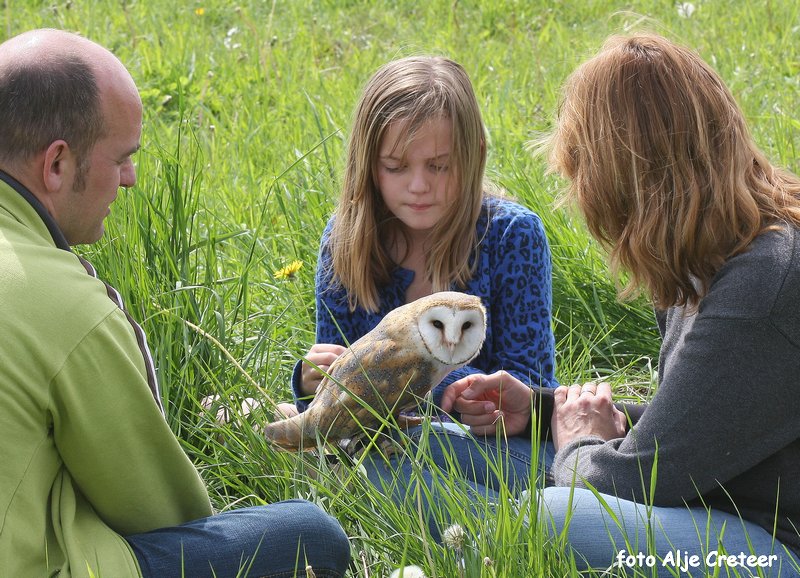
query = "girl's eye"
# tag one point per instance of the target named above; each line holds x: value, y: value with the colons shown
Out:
x: 439, y: 168
x: 392, y: 169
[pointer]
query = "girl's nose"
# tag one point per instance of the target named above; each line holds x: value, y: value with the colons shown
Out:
x: 419, y: 182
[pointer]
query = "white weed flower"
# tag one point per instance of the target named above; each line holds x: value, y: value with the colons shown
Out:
x: 408, y: 572
x: 454, y: 537
x: 686, y: 9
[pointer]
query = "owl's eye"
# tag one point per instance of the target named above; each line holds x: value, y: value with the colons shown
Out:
x: 438, y: 324
x: 466, y: 325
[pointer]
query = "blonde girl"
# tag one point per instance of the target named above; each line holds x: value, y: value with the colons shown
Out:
x: 414, y: 218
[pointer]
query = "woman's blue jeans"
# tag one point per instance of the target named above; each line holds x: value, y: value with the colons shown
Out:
x: 278, y: 541
x: 597, y: 540
x: 634, y: 539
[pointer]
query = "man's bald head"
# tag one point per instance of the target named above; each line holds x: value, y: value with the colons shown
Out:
x: 52, y: 87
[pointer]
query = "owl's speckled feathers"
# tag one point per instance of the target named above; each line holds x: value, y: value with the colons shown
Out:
x: 407, y: 354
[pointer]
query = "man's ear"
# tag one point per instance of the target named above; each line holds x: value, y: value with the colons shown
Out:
x: 59, y: 166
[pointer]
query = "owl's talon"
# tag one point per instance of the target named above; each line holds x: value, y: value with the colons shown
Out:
x: 409, y: 421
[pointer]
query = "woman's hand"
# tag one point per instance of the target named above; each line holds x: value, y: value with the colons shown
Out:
x: 482, y: 400
x: 585, y: 410
x: 318, y: 359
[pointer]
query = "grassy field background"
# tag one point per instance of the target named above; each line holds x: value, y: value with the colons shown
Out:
x: 247, y: 107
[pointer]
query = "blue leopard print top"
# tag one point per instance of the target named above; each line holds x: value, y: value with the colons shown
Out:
x: 513, y: 279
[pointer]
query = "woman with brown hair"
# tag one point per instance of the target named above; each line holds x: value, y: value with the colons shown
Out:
x: 662, y: 166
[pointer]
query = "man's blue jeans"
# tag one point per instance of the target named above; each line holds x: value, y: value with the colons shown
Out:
x: 278, y: 540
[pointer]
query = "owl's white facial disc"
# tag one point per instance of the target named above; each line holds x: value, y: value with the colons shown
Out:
x: 453, y: 335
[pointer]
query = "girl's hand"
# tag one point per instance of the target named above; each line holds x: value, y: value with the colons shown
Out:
x: 321, y: 355
x: 585, y: 410
x: 482, y: 400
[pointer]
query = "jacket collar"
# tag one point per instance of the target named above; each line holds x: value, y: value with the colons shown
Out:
x: 47, y: 218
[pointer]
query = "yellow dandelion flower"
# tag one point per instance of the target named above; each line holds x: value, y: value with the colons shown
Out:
x: 289, y: 271
x: 200, y: 11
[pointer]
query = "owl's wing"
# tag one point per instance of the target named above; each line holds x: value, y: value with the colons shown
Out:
x: 374, y: 376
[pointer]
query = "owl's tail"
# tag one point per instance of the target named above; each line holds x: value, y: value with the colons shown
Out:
x: 291, y: 434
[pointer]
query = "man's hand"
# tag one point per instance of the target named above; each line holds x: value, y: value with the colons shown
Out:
x: 482, y: 400
x: 584, y: 410
x: 321, y: 355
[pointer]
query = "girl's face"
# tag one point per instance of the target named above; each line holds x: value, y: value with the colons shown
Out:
x: 417, y: 186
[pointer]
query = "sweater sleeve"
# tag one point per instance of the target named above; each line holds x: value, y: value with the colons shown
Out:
x: 704, y: 426
x: 513, y: 277
x: 724, y: 417
x: 113, y: 439
x: 334, y: 323
x: 521, y: 305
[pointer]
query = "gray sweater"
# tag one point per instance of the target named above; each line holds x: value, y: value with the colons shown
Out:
x: 725, y: 420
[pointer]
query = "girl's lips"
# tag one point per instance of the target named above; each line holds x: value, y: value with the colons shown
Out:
x: 415, y: 207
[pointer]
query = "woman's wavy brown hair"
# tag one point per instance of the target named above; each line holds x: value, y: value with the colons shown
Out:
x: 662, y: 166
x: 410, y: 90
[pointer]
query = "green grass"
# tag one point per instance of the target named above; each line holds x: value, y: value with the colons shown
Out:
x: 247, y: 107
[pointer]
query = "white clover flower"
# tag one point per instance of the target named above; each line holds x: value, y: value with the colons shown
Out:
x: 408, y: 572
x: 454, y: 537
x: 228, y: 40
x: 686, y: 9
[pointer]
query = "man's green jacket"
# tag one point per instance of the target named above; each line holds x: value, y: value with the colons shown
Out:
x: 87, y: 456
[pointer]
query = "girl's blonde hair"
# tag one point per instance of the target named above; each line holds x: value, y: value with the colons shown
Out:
x: 663, y: 167
x: 413, y: 91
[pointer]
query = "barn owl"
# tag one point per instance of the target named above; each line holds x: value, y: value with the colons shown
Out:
x: 407, y: 354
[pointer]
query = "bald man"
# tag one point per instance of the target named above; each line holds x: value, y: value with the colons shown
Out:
x: 93, y: 481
